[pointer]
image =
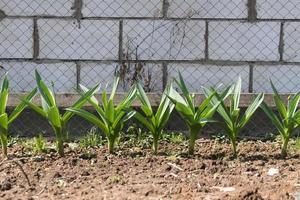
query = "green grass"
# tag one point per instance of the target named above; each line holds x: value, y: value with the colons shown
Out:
x: 92, y: 140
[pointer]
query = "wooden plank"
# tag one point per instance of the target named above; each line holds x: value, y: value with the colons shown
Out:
x: 66, y: 100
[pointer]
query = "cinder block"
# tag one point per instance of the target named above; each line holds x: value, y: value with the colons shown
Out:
x: 22, y: 79
x: 16, y: 38
x: 92, y: 73
x: 291, y: 42
x: 37, y: 7
x: 208, y: 9
x: 164, y: 40
x: 90, y: 39
x: 122, y: 8
x: 278, y: 9
x: 285, y: 78
x: 197, y: 76
x: 244, y: 41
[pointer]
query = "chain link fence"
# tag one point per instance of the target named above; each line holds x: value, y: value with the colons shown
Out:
x: 211, y: 43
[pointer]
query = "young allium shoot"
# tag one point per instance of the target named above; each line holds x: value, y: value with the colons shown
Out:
x: 6, y: 120
x: 154, y: 122
x: 110, y: 118
x: 233, y: 120
x: 194, y: 117
x: 288, y: 119
x: 50, y: 111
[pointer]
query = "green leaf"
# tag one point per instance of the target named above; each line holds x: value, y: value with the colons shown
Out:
x: 88, y: 95
x: 34, y: 107
x: 117, y: 122
x: 4, y: 121
x: 110, y: 112
x: 174, y: 96
x: 165, y: 106
x: 218, y: 100
x: 293, y: 105
x: 129, y: 115
x: 143, y: 97
x: 128, y: 99
x: 147, y: 110
x: 206, y: 102
x: 89, y: 117
x: 165, y: 117
x: 185, y: 91
x: 54, y: 117
x: 209, y: 111
x: 272, y: 117
x: 279, y: 103
x: 114, y: 88
x: 236, y: 94
x: 297, y: 117
x: 22, y: 106
x: 94, y: 102
x: 4, y: 95
x: 204, y: 121
x: 250, y: 110
x: 45, y: 92
x: 104, y: 99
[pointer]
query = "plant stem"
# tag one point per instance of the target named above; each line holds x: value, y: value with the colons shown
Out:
x: 60, y: 147
x: 234, y: 145
x: 4, y: 143
x: 111, y: 144
x: 60, y: 141
x: 233, y: 140
x: 155, y: 143
x: 284, y: 147
x: 193, y: 137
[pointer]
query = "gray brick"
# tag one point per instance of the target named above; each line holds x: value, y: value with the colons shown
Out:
x: 16, y: 38
x: 291, y: 42
x: 21, y: 75
x: 122, y: 8
x: 37, y: 7
x: 65, y: 39
x: 93, y: 73
x: 163, y: 40
x: 197, y: 76
x: 244, y: 41
x: 285, y: 78
x: 278, y: 9
x: 208, y: 9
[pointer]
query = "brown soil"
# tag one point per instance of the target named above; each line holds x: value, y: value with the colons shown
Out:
x: 136, y: 174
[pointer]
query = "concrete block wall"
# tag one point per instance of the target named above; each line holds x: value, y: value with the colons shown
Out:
x: 210, y: 42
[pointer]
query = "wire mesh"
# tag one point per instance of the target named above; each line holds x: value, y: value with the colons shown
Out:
x: 211, y: 43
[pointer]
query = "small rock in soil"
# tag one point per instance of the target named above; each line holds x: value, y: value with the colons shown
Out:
x: 85, y: 173
x: 57, y: 175
x: 38, y: 159
x: 273, y: 171
x: 250, y: 195
x: 5, y: 185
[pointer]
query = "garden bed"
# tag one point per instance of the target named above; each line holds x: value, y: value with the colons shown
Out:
x: 134, y: 173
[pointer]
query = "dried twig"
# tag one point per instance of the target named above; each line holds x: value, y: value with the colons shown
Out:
x: 22, y: 170
x: 175, y: 166
x: 20, y: 166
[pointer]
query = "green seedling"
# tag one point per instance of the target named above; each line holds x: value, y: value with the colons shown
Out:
x: 50, y: 110
x: 6, y: 120
x: 39, y: 144
x: 154, y: 121
x: 195, y: 117
x: 288, y: 119
x: 91, y: 140
x: 111, y: 118
x: 234, y: 121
